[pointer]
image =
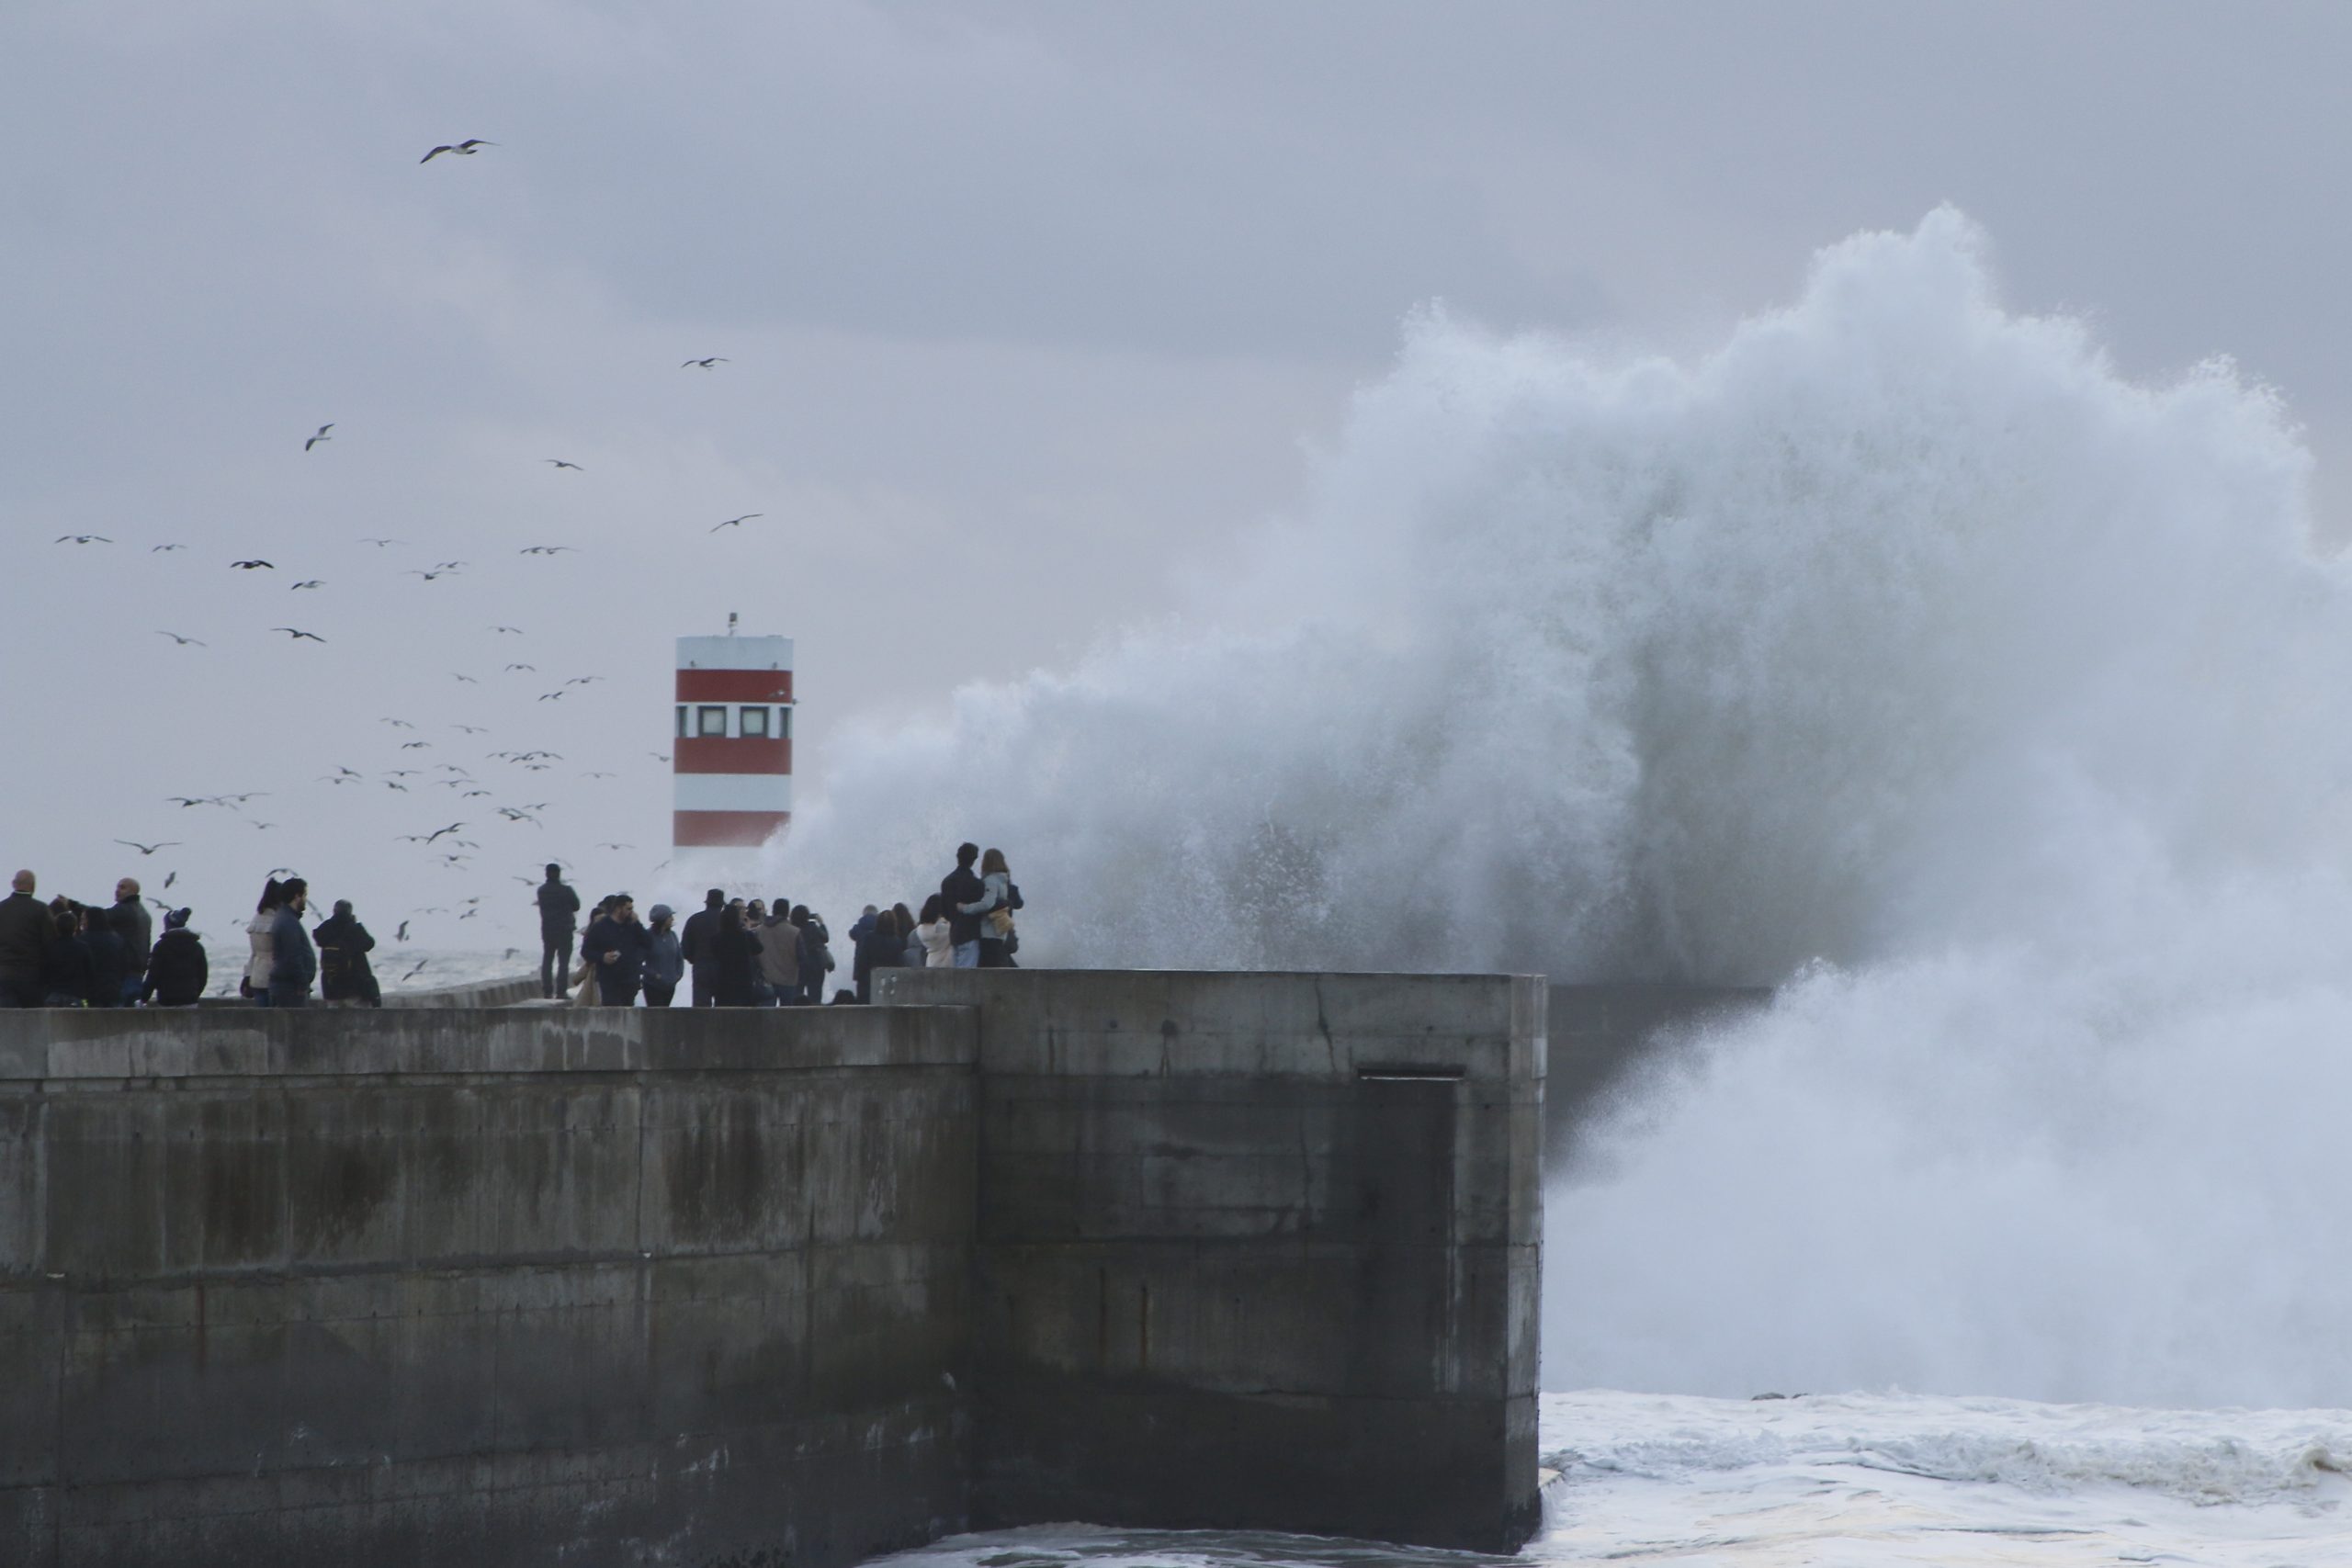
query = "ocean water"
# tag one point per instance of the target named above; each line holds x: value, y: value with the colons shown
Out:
x: 1897, y: 651
x: 1849, y: 1480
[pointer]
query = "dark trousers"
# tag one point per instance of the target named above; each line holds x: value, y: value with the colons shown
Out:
x: 704, y: 997
x: 555, y: 964
x: 657, y: 996
x: 616, y: 993
x: 993, y: 955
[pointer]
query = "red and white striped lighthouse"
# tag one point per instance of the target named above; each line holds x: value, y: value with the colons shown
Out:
x: 732, y: 760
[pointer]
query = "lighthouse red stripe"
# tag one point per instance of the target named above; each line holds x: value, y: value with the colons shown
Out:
x: 734, y: 685
x: 724, y: 829
x: 717, y: 754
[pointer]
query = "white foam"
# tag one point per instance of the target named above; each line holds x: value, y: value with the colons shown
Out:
x: 1902, y: 634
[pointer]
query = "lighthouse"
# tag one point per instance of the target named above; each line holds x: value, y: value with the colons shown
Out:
x: 731, y: 755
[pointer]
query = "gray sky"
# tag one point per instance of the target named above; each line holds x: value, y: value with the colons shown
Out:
x: 1031, y: 312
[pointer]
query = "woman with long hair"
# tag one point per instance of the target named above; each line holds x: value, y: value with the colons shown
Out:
x: 264, y: 955
x: 997, y: 901
x: 931, y: 931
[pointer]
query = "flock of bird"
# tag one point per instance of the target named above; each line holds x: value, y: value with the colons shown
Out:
x: 445, y: 844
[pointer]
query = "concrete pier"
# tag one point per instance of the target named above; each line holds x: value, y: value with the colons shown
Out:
x: 594, y: 1286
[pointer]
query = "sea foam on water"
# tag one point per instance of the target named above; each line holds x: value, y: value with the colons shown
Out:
x: 1900, y: 653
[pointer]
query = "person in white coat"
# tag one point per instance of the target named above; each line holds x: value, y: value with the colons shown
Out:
x: 265, y: 947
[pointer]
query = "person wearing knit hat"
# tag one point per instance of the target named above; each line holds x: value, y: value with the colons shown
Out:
x: 665, y: 959
x: 177, y: 967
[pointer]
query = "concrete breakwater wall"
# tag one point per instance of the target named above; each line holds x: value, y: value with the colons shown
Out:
x: 589, y: 1286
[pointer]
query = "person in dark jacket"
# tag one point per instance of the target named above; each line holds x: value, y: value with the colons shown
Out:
x: 959, y: 888
x: 615, y: 945
x: 734, y: 962
x: 67, y: 974
x: 176, y: 969
x: 105, y: 956
x: 137, y: 928
x: 665, y: 966
x: 558, y: 919
x: 293, y: 961
x: 26, y: 930
x: 694, y: 946
x: 816, y: 953
x: 345, y: 974
x: 880, y: 948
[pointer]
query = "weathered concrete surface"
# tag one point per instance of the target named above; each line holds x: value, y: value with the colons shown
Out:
x: 698, y: 1286
x: 507, y: 1288
x: 1257, y: 1251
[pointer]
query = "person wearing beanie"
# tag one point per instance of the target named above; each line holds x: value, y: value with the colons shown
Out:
x: 665, y: 963
x: 177, y: 967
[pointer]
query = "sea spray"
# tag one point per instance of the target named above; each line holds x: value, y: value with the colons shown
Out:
x: 1900, y: 646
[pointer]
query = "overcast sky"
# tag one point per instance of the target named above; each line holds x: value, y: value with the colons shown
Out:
x: 1029, y: 313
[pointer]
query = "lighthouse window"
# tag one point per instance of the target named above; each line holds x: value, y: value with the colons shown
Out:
x: 755, y: 723
x: 685, y: 720
x: 711, y: 720
x: 784, y: 724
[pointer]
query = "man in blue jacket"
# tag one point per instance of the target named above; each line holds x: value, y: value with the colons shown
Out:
x: 616, y: 945
x: 293, y: 961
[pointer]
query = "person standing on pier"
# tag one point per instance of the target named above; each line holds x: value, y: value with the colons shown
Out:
x: 176, y: 969
x: 293, y: 961
x: 137, y: 928
x: 665, y: 966
x: 616, y: 947
x: 558, y: 919
x: 698, y: 943
x: 25, y: 935
x: 960, y: 888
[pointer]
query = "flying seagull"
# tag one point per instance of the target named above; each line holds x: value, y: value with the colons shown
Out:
x: 402, y: 934
x: 530, y: 667
x: 154, y: 548
x: 562, y: 464
x: 183, y: 641
x: 379, y: 544
x: 147, y: 848
x: 465, y: 149
x: 548, y: 549
x: 516, y: 630
x: 253, y: 565
x: 299, y: 635
x: 420, y: 962
x: 313, y: 583
x: 428, y: 576
x: 83, y: 539
x: 706, y: 363
x: 471, y: 729
x: 617, y: 846
x: 321, y: 435
x: 737, y: 522
x: 468, y: 678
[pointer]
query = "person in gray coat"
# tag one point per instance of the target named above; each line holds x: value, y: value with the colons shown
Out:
x: 137, y: 928
x: 293, y: 961
x: 666, y: 964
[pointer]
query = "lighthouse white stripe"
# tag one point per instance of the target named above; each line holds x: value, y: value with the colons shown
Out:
x: 732, y: 791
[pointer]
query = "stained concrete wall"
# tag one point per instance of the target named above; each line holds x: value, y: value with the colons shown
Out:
x: 605, y: 1286
x: 504, y: 1288
x: 1257, y: 1251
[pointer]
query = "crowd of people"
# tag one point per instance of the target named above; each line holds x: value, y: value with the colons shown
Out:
x: 738, y: 952
x: 755, y: 952
x: 66, y: 954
